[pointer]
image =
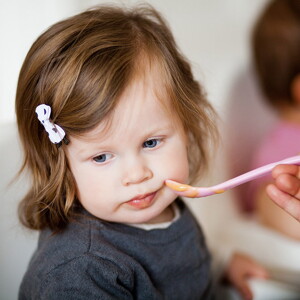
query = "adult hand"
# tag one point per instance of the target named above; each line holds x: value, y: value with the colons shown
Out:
x: 285, y: 191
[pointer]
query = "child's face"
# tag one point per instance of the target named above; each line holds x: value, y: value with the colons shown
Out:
x: 120, y: 167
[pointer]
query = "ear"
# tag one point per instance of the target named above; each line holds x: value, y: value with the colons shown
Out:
x: 295, y: 89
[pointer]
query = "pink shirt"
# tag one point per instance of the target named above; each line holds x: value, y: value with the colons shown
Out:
x: 282, y: 141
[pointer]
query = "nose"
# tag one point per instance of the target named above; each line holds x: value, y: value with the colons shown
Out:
x: 135, y: 170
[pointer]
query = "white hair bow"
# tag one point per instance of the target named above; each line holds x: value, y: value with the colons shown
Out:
x: 56, y: 133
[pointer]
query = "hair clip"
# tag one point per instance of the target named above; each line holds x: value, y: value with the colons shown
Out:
x: 56, y: 133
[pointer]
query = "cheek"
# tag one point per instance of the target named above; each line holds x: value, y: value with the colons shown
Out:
x: 176, y: 166
x: 88, y: 182
x: 92, y: 182
x: 180, y: 170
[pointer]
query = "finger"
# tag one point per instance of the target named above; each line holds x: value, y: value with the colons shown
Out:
x: 254, y: 271
x: 288, y: 169
x: 288, y: 184
x: 285, y: 201
x: 257, y: 271
x: 243, y: 287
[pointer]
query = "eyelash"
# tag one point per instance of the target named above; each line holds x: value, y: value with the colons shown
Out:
x: 156, y: 141
x: 95, y: 159
x: 104, y: 157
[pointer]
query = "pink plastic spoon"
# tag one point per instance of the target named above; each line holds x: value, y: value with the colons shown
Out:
x: 197, y: 192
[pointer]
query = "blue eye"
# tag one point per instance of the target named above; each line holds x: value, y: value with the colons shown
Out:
x: 102, y: 158
x: 151, y: 143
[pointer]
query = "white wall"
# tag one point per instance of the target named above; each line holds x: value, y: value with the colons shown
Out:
x: 213, y: 34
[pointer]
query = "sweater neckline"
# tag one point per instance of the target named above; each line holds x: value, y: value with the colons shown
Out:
x: 182, y: 226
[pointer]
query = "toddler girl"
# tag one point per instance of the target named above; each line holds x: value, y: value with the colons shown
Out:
x: 107, y: 110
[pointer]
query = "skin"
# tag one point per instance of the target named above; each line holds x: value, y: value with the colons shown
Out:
x: 285, y: 191
x: 120, y: 166
x: 271, y: 215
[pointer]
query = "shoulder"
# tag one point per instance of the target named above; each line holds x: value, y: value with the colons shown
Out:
x: 76, y: 260
x: 87, y: 276
x: 82, y: 242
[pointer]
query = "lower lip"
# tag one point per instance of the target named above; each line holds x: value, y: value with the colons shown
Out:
x: 143, y: 202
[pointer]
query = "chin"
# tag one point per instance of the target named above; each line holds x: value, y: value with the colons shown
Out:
x: 141, y: 216
x: 142, y: 219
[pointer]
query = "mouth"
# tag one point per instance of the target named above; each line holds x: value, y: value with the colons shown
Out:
x: 142, y: 201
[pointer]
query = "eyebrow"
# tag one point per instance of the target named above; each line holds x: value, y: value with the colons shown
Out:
x: 100, y: 141
x: 156, y: 131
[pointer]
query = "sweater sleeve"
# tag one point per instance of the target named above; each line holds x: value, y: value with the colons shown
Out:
x: 87, y: 277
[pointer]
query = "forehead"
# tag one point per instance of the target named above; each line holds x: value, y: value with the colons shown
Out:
x: 146, y: 94
x: 139, y: 108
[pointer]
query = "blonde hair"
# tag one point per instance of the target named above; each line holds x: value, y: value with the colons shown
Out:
x: 80, y: 66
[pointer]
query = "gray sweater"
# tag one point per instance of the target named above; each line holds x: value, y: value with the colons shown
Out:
x: 92, y: 259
